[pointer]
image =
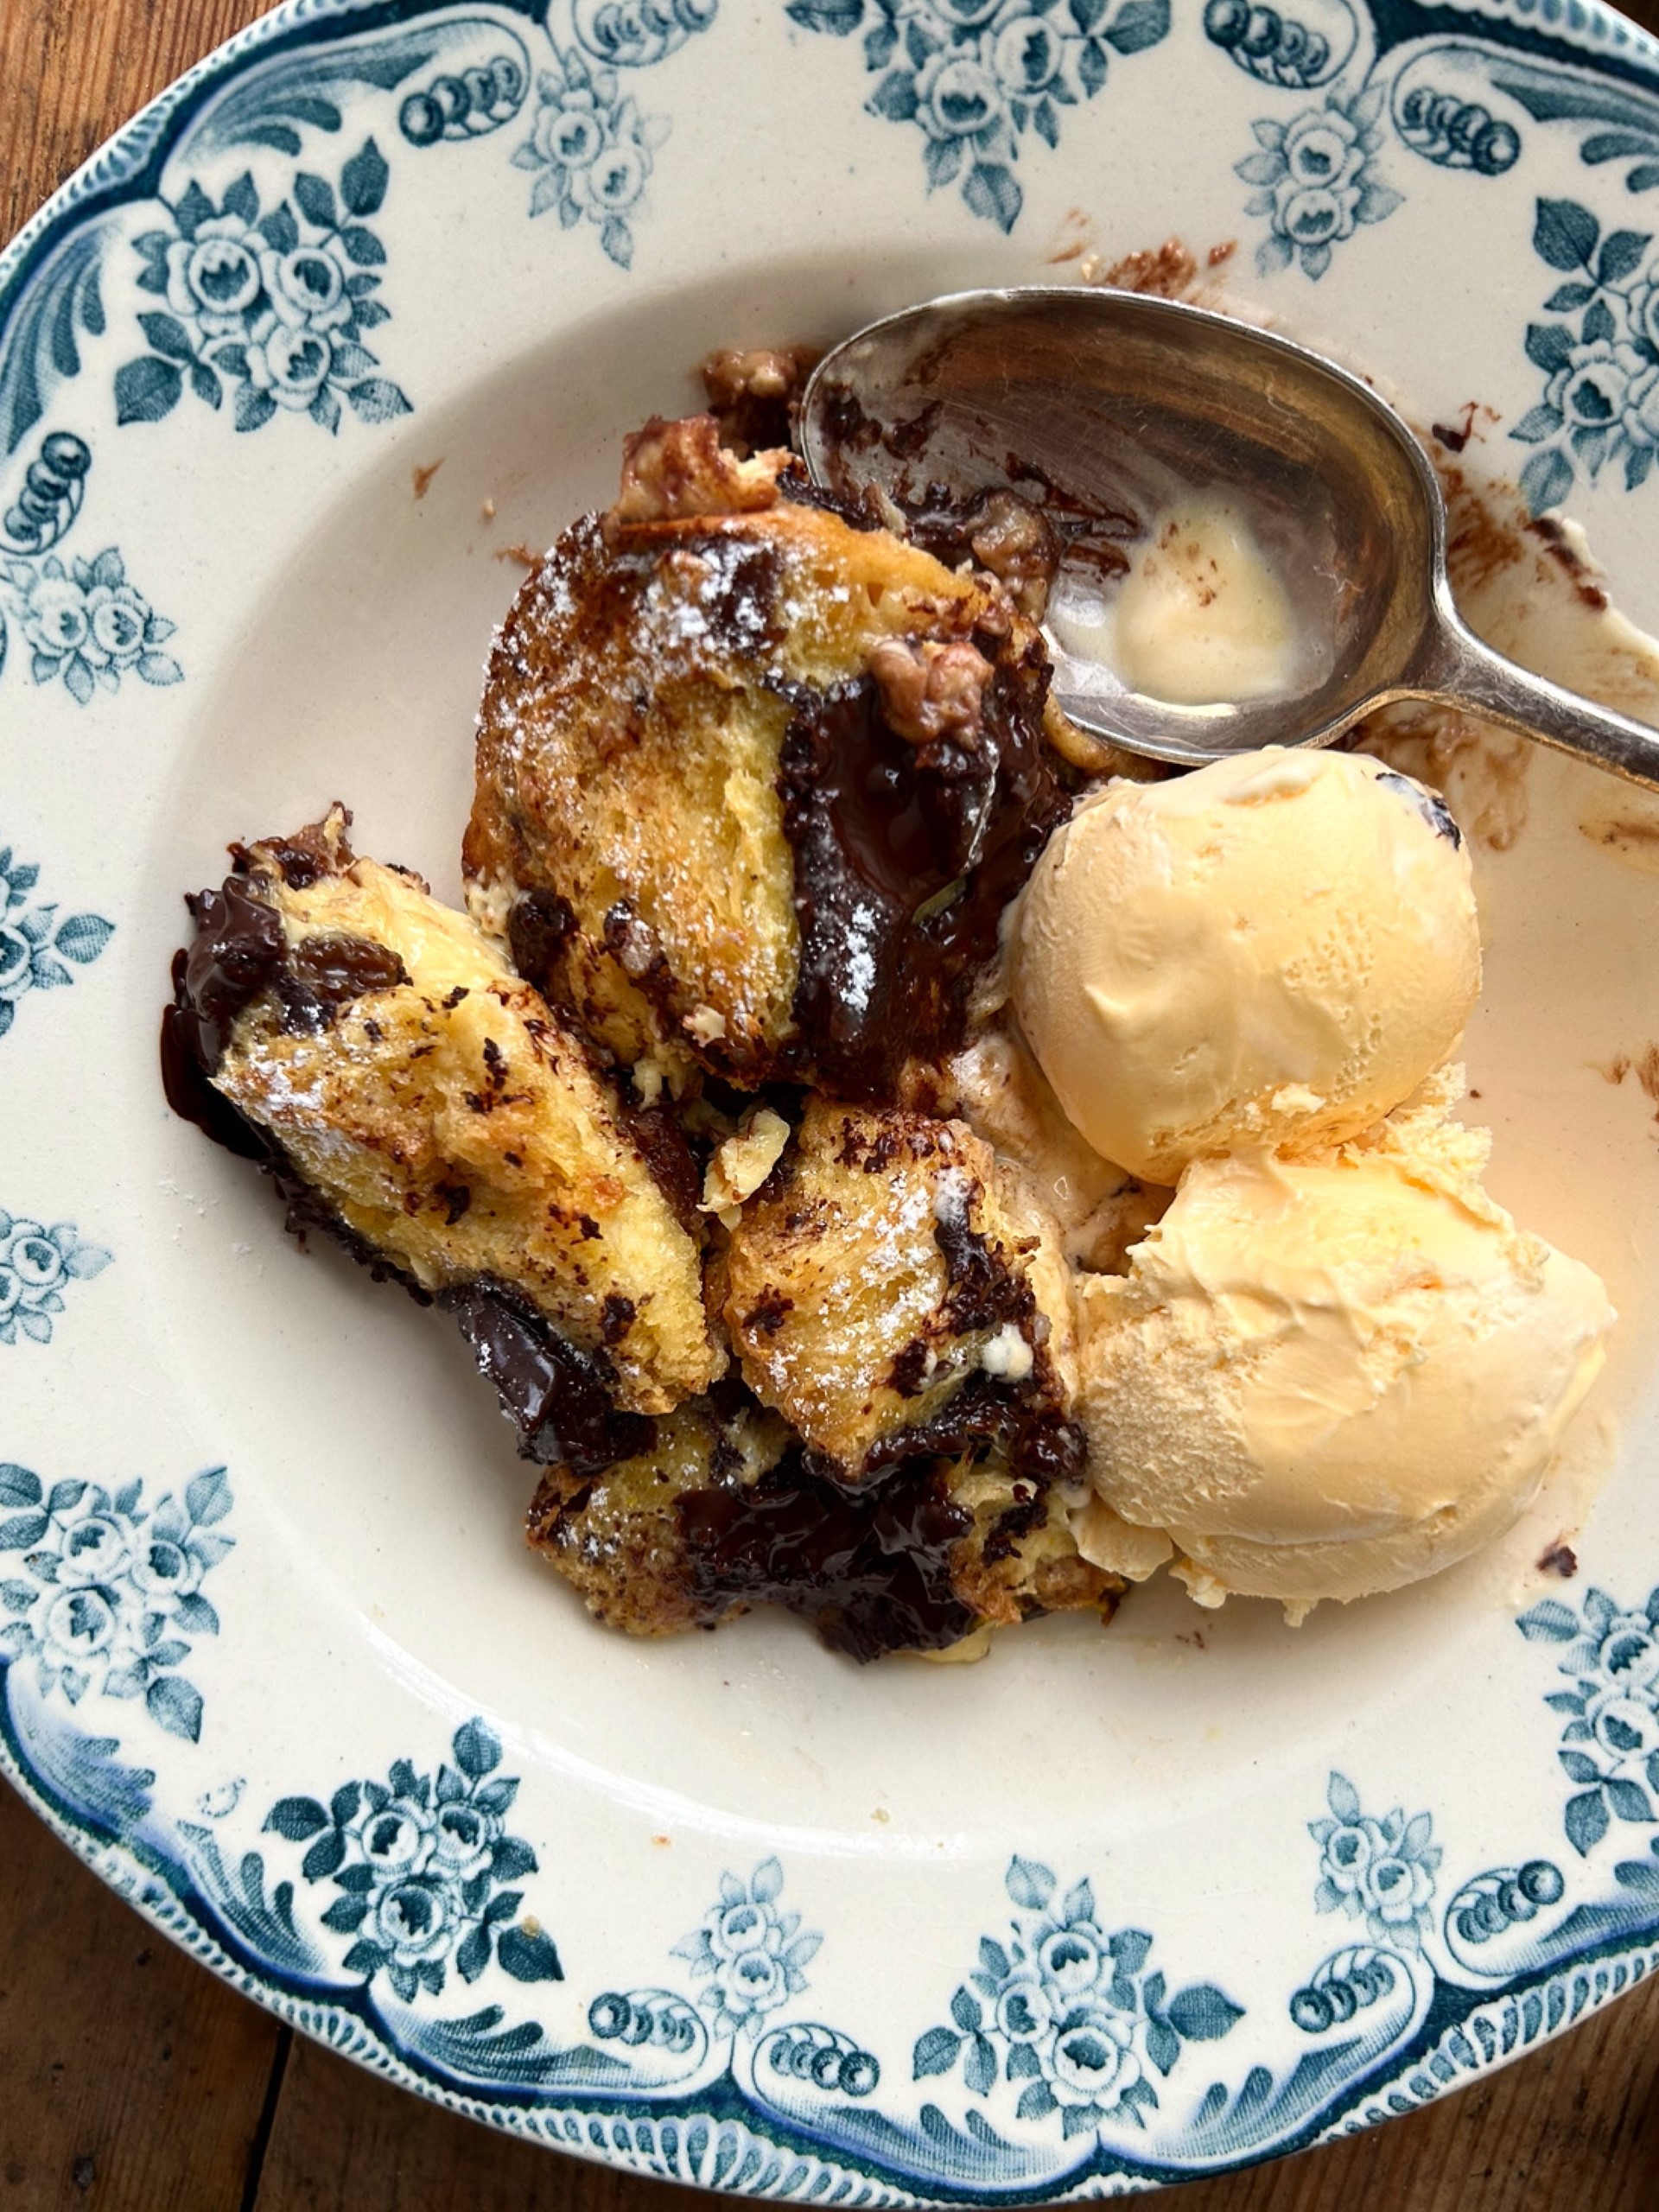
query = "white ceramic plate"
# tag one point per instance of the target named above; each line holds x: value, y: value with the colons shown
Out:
x: 1111, y: 1910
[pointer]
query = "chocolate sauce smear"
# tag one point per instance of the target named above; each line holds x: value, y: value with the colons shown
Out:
x: 984, y: 525
x: 904, y: 857
x: 870, y: 1570
x: 795, y: 486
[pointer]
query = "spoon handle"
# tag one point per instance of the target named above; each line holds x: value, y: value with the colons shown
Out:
x: 1458, y: 668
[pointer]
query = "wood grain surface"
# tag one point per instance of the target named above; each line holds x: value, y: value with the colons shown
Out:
x: 132, y: 2081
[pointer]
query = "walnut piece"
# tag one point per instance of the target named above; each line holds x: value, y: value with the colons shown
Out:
x: 674, y: 471
x: 930, y: 690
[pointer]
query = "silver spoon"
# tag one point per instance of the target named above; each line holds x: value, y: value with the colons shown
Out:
x: 1100, y: 407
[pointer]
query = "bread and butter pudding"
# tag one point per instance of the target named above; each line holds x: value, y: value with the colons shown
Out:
x: 889, y: 1166
x: 665, y: 1120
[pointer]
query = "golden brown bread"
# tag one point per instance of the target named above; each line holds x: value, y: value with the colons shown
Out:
x: 631, y: 834
x: 454, y: 1124
x: 885, y: 1264
x: 754, y: 785
x: 618, y: 1537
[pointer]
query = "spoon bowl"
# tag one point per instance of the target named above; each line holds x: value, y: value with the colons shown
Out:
x: 1100, y: 408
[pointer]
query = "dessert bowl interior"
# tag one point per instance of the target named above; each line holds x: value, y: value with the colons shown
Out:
x: 370, y: 1693
x: 356, y: 679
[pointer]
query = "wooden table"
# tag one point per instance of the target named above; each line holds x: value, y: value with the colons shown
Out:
x: 130, y: 2079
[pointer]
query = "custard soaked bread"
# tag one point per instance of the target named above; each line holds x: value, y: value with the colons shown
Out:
x: 725, y: 1510
x: 439, y: 1110
x: 896, y: 1462
x: 754, y: 783
x: 885, y: 1286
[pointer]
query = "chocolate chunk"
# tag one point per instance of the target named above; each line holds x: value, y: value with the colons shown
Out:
x: 537, y: 925
x: 663, y: 1146
x: 558, y: 1397
x: 872, y: 1571
x: 237, y: 950
x: 239, y: 953
x: 1042, y: 1445
x: 905, y: 856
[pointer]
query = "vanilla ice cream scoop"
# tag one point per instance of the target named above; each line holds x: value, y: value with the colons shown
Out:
x: 1332, y: 1375
x: 1275, y: 949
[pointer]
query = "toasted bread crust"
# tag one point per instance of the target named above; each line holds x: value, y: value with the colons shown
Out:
x: 454, y: 1124
x: 628, y: 837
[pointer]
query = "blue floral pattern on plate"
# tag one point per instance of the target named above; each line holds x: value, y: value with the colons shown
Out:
x: 271, y: 304
x: 38, y: 952
x: 1318, y: 179
x: 1381, y: 1871
x: 240, y: 234
x: 1610, y: 1744
x: 1600, y: 405
x: 423, y: 1867
x: 86, y: 623
x: 979, y: 78
x: 750, y: 1957
x: 1069, y: 2011
x: 37, y: 1265
x: 107, y: 1593
x: 589, y: 151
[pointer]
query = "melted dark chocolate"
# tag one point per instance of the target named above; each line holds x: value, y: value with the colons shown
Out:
x: 1433, y: 808
x: 663, y: 1145
x: 537, y: 926
x: 237, y: 949
x: 946, y: 520
x: 795, y: 486
x: 739, y: 602
x: 734, y: 577
x: 871, y: 1570
x: 904, y: 855
x: 880, y: 829
x: 1042, y: 1445
x: 558, y: 1397
x: 985, y: 1295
